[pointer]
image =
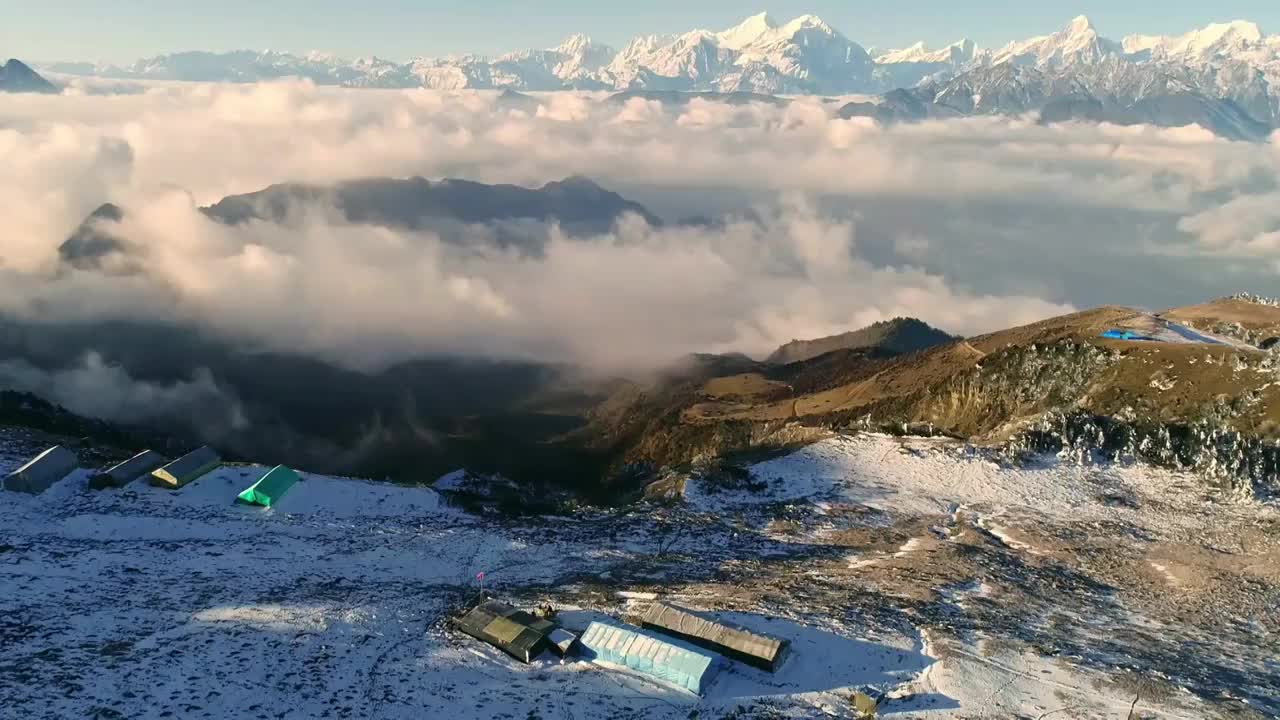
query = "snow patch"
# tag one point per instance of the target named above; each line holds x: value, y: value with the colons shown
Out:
x: 908, y: 547
x: 1164, y: 571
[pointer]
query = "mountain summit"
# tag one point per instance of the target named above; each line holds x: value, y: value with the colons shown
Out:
x: 899, y: 335
x: 1079, y: 42
x: 746, y: 32
x: 17, y: 77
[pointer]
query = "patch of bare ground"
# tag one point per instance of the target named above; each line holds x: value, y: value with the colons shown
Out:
x: 1254, y: 319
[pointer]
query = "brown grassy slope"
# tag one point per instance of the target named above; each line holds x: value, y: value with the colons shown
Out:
x: 1237, y: 318
x: 906, y: 377
x: 1085, y: 326
x: 985, y: 388
x: 1063, y: 364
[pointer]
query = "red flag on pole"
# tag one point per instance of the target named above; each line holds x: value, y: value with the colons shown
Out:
x: 480, y: 575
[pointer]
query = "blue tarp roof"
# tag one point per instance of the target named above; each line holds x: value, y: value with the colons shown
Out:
x: 1115, y: 334
x: 667, y: 659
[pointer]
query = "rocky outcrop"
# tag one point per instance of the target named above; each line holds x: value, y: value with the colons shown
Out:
x: 1247, y: 467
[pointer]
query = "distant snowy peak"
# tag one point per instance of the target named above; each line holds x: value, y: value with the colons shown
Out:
x: 1218, y: 40
x: 957, y: 53
x: 576, y: 60
x: 805, y: 22
x: 579, y: 44
x: 746, y: 32
x: 804, y: 55
x: 1231, y: 61
x: 1114, y: 91
x: 1079, y: 42
x: 1238, y: 41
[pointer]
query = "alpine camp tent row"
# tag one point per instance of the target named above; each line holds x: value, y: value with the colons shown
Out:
x: 269, y: 488
x: 761, y: 651
x: 667, y: 659
x: 43, y: 471
x: 191, y: 466
x: 516, y: 632
x: 144, y: 463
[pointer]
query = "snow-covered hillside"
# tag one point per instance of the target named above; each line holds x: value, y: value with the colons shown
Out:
x: 913, y: 569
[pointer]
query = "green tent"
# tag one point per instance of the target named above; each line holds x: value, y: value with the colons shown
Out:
x: 269, y: 488
x: 518, y: 633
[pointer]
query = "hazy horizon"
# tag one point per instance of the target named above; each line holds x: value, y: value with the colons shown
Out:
x: 398, y: 30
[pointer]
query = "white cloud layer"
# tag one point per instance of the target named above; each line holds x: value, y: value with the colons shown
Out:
x: 95, y: 388
x: 640, y: 295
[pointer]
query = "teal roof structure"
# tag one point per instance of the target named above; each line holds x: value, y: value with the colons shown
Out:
x: 672, y: 661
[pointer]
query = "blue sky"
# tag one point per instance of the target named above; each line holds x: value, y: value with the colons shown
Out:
x: 398, y: 29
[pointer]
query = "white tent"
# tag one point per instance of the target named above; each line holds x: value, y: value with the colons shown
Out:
x: 126, y: 472
x: 46, y: 469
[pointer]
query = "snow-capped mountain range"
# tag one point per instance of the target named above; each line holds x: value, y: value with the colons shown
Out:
x: 1234, y: 62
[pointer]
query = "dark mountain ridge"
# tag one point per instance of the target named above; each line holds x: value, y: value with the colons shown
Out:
x: 16, y: 77
x: 899, y: 335
x: 1113, y: 92
x: 578, y: 205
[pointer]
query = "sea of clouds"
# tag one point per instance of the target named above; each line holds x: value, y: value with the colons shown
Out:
x: 818, y: 224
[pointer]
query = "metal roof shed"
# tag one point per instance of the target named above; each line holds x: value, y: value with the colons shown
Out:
x: 672, y: 661
x: 518, y: 633
x: 189, y: 467
x: 126, y: 472
x: 43, y: 471
x: 762, y: 651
